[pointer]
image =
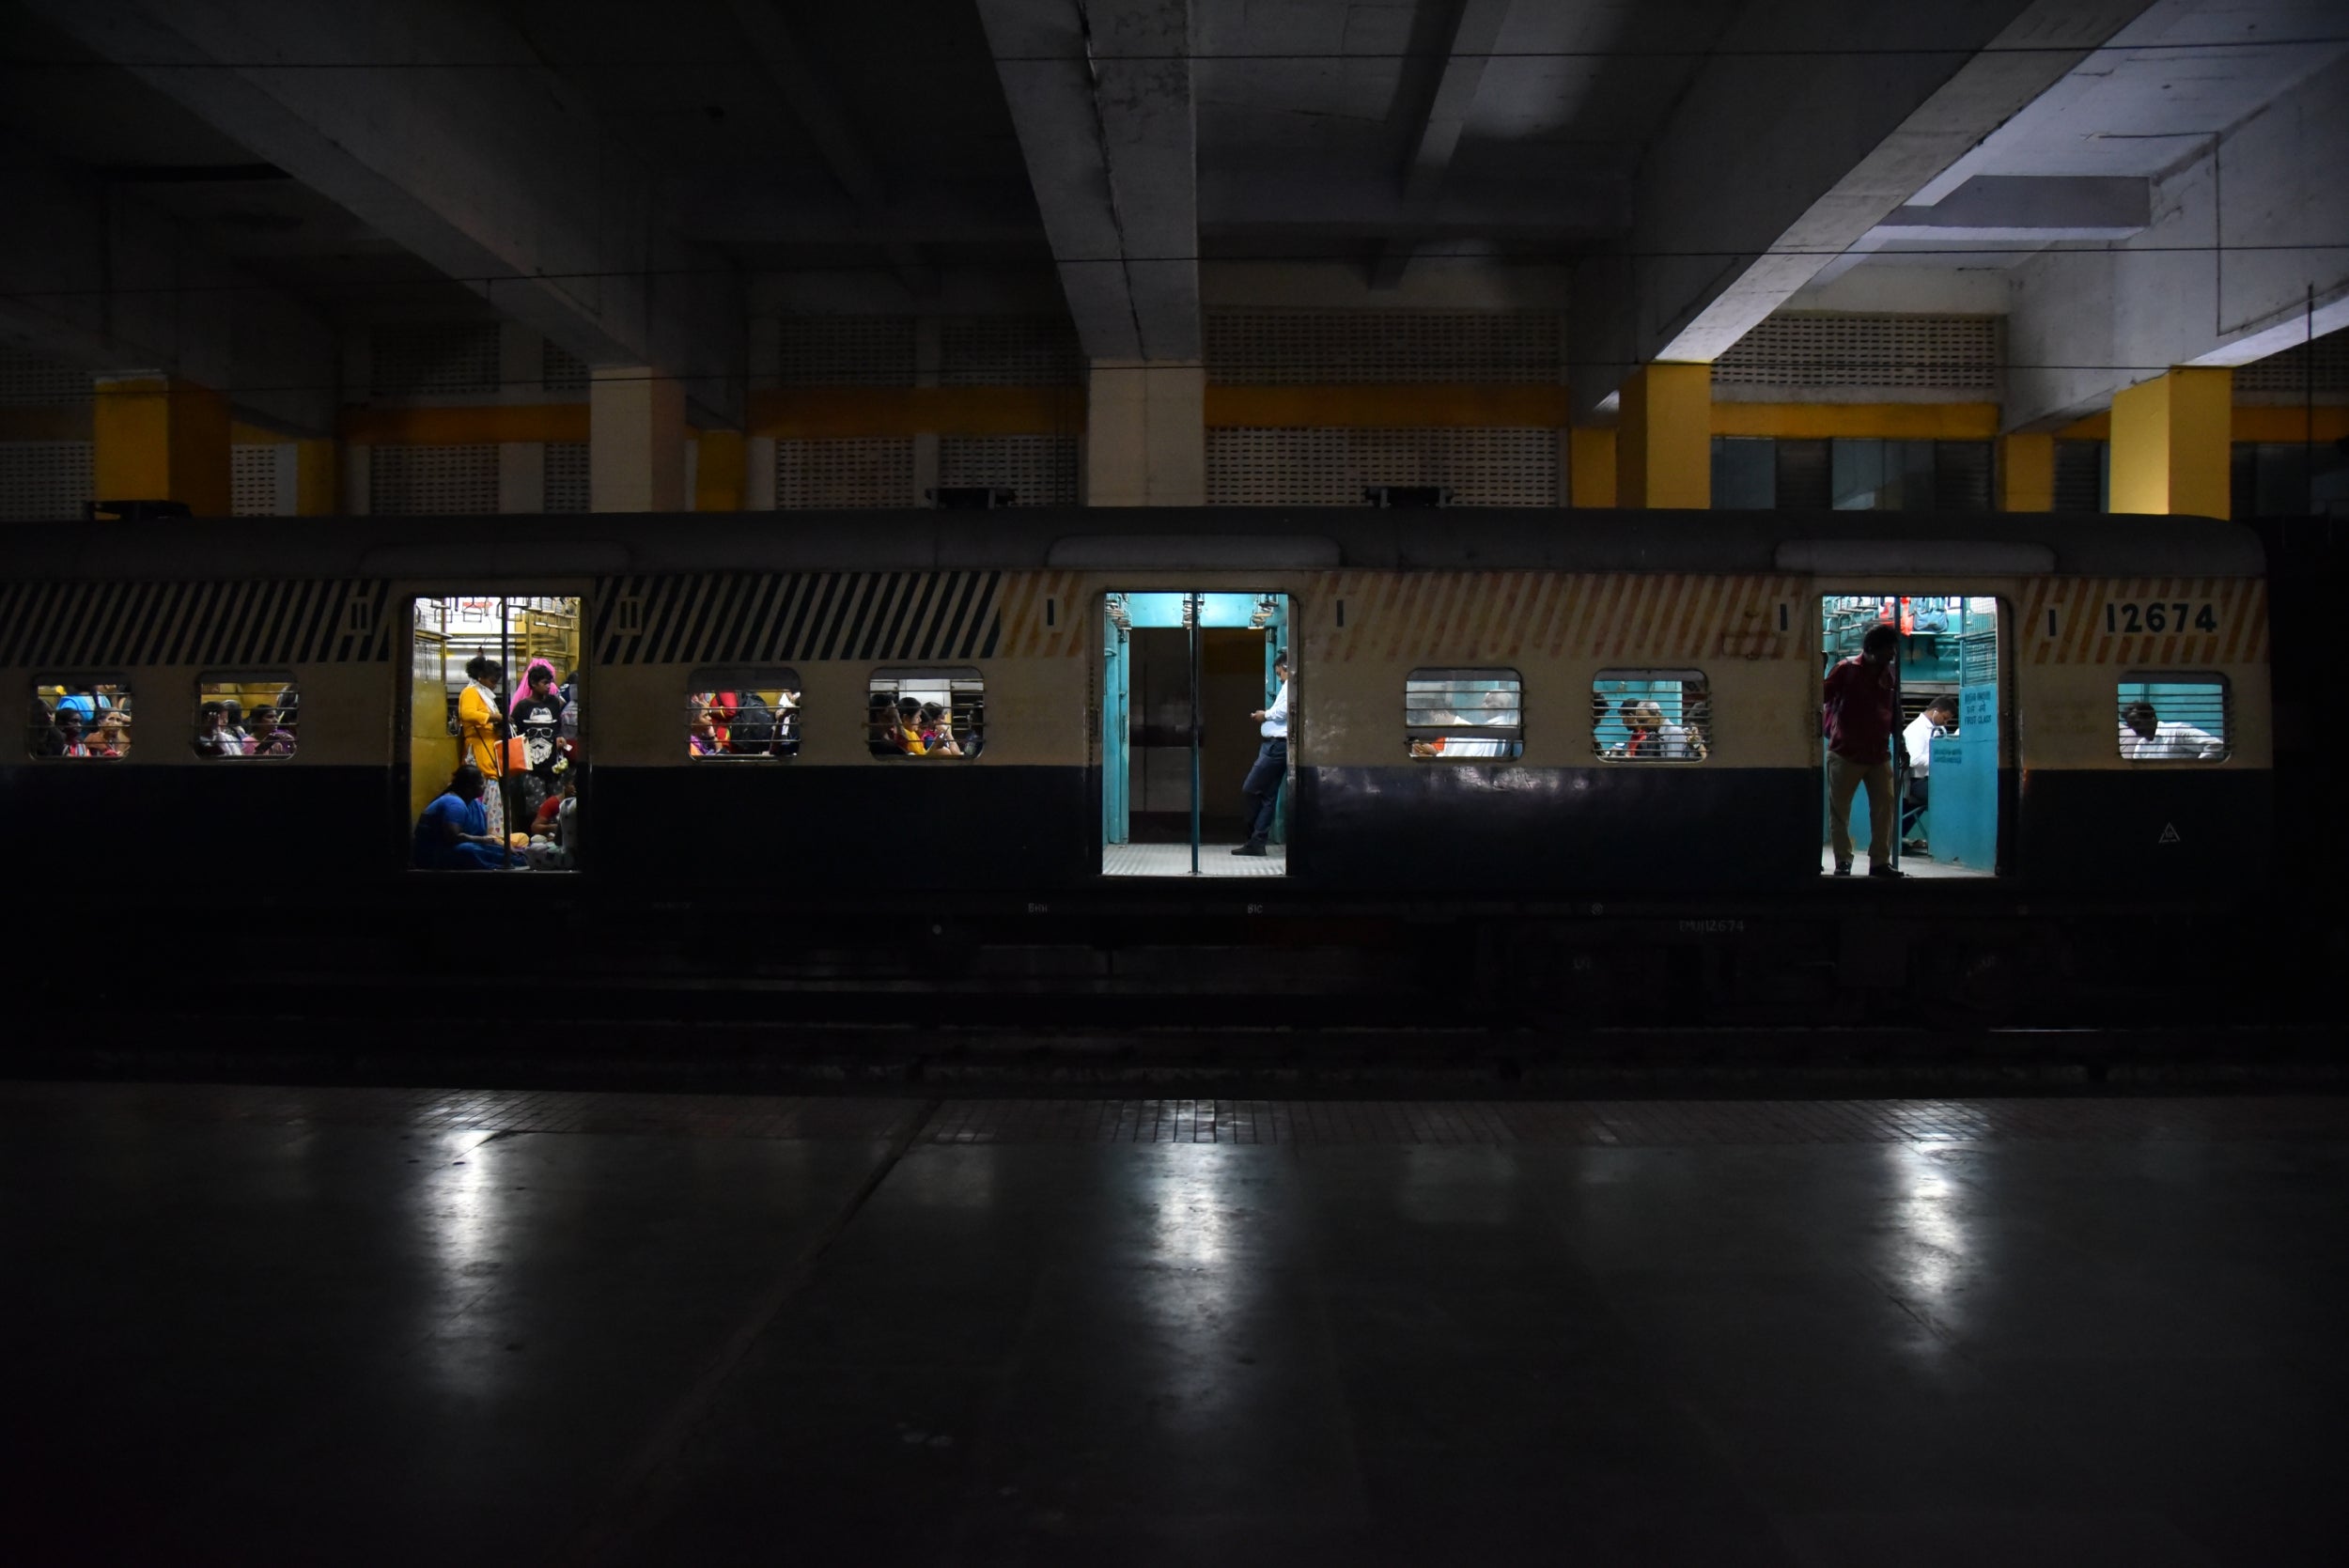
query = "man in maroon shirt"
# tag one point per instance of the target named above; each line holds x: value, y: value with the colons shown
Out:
x: 1862, y: 710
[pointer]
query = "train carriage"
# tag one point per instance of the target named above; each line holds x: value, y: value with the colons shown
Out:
x: 1472, y: 695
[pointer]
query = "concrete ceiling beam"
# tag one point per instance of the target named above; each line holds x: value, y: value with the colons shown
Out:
x: 1473, y: 35
x: 501, y: 179
x: 94, y: 277
x: 1100, y: 95
x: 1770, y: 167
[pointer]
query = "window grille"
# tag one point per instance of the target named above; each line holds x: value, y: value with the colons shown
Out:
x: 1651, y: 716
x: 246, y: 716
x: 1463, y: 715
x: 2173, y: 717
x: 30, y: 382
x: 253, y: 480
x: 1009, y: 350
x: 433, y: 359
x: 947, y: 716
x: 433, y: 481
x: 824, y: 475
x: 737, y: 714
x: 2079, y: 475
x: 1041, y: 470
x: 46, y: 481
x: 566, y: 476
x: 1943, y: 354
x: 845, y: 350
x: 80, y: 718
x: 1315, y: 347
x: 1265, y: 467
x: 2289, y: 370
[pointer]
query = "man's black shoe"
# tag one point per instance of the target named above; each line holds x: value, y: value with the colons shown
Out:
x: 1253, y: 846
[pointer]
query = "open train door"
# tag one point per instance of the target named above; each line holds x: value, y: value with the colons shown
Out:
x: 1182, y: 674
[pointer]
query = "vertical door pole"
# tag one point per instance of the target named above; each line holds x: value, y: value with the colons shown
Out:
x: 1192, y: 611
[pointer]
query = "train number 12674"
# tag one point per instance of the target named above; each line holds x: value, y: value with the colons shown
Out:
x: 2131, y: 619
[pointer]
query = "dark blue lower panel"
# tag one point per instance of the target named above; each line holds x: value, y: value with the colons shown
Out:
x: 1555, y: 829
x: 246, y: 830
x: 797, y: 831
x: 2153, y: 828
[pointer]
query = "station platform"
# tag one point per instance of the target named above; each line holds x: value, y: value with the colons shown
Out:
x: 426, y: 1325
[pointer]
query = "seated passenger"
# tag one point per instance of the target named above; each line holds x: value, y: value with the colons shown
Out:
x: 84, y: 699
x: 40, y: 730
x: 270, y: 738
x: 452, y: 834
x: 211, y: 738
x: 788, y: 725
x: 112, y: 738
x: 880, y: 725
x: 66, y: 732
x: 909, y: 732
x: 2146, y: 736
x: 1666, y: 741
x: 232, y: 724
x: 935, y: 738
x: 1456, y: 745
x: 703, y: 739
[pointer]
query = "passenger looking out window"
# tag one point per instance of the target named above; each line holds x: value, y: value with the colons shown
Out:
x: 2147, y: 736
x: 1651, y: 716
x: 925, y: 713
x: 269, y: 738
x: 213, y: 739
x: 1463, y: 714
x: 454, y: 832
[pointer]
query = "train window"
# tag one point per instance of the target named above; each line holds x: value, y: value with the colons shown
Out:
x: 246, y: 716
x: 2172, y: 719
x: 1651, y: 716
x: 742, y: 713
x: 1463, y: 715
x: 926, y: 713
x: 80, y: 717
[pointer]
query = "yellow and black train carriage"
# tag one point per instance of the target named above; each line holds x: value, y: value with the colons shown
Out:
x: 1523, y: 720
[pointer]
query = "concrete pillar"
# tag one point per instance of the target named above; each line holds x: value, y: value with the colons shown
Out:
x: 721, y: 472
x: 2169, y: 444
x: 928, y: 357
x: 358, y: 480
x: 2027, y: 474
x: 1664, y: 443
x: 522, y: 476
x: 635, y: 440
x: 1590, y: 466
x: 1147, y: 434
x: 317, y: 478
x: 159, y: 439
x: 759, y: 477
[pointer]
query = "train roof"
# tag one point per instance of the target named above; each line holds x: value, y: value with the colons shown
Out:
x: 1264, y: 538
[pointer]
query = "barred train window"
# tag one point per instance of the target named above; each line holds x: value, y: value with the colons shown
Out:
x: 246, y: 716
x: 1651, y: 716
x: 80, y: 717
x: 1463, y: 715
x: 742, y: 713
x: 926, y: 713
x: 2166, y: 718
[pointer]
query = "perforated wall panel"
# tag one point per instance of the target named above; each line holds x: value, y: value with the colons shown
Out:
x: 1332, y: 468
x: 1042, y: 470
x: 29, y: 381
x: 42, y: 481
x: 559, y: 370
x: 433, y: 481
x: 427, y: 359
x: 253, y: 480
x: 1314, y: 348
x: 1009, y: 350
x: 847, y: 350
x: 2289, y: 371
x: 815, y: 476
x: 1944, y: 353
x: 566, y: 476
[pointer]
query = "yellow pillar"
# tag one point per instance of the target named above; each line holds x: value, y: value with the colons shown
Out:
x: 318, y: 483
x: 635, y: 440
x: 719, y: 473
x: 158, y: 439
x: 1590, y: 467
x: 2169, y: 444
x: 1664, y: 442
x: 2027, y: 474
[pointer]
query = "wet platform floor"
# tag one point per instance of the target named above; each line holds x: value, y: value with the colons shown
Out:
x: 286, y: 1325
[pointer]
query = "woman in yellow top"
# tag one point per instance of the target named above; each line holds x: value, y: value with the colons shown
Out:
x: 477, y: 725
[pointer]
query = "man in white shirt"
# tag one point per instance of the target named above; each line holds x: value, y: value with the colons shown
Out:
x: 1263, y: 786
x: 1939, y: 718
x: 2146, y: 736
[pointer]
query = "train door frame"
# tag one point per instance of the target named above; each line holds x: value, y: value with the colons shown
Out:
x: 403, y: 601
x: 1113, y: 757
x: 2006, y: 787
